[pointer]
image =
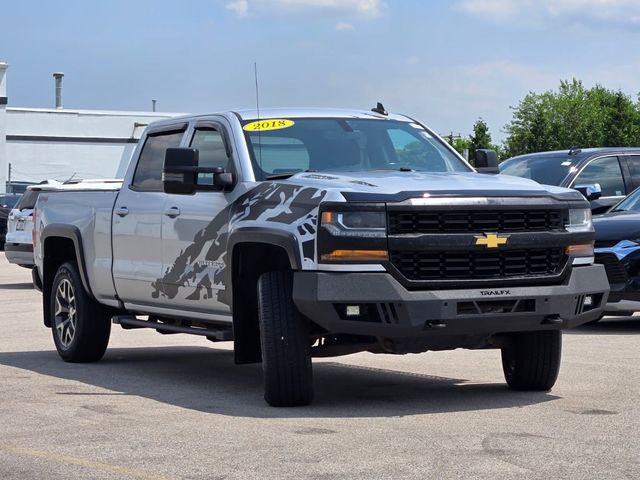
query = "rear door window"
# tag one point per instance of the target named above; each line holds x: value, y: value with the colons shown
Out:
x: 634, y: 167
x: 148, y: 175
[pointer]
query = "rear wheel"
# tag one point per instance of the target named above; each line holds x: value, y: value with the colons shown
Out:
x: 80, y: 325
x: 532, y: 360
x: 284, y: 338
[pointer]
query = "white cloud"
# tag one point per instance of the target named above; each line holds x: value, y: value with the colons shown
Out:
x: 615, y: 12
x: 361, y: 8
x: 368, y: 8
x: 239, y: 7
x: 341, y: 26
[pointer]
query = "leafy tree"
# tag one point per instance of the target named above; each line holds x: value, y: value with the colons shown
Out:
x: 461, y: 144
x: 572, y: 116
x: 481, y: 138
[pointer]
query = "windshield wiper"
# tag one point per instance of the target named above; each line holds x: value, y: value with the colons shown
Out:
x: 285, y: 175
x: 393, y: 169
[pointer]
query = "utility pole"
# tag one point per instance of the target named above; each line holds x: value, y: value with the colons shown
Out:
x: 9, y: 186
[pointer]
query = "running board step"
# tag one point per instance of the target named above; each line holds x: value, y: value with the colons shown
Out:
x: 213, y: 333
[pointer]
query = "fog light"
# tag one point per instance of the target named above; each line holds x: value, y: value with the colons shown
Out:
x: 353, y: 310
x: 588, y: 301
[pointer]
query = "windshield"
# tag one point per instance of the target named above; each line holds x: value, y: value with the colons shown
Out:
x: 283, y: 146
x: 630, y: 204
x: 28, y: 200
x: 8, y: 201
x: 549, y: 170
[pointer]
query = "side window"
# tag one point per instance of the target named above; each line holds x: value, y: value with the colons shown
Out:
x: 605, y: 171
x: 212, y: 152
x: 634, y: 167
x: 148, y: 176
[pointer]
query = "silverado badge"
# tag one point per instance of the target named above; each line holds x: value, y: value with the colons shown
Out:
x: 491, y: 240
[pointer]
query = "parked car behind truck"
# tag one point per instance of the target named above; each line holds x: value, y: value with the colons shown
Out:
x: 604, y: 175
x: 306, y: 233
x: 7, y: 202
x: 617, y: 247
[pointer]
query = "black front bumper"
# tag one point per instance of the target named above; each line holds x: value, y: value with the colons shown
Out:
x: 390, y: 310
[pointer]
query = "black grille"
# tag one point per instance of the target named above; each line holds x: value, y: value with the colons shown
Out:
x: 402, y: 222
x: 472, y: 264
x: 616, y: 273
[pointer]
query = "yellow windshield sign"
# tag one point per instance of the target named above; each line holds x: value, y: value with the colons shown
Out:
x: 268, y: 124
x: 491, y: 240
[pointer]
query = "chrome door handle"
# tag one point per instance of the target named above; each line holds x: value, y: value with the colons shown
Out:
x: 172, y: 212
x: 122, y: 211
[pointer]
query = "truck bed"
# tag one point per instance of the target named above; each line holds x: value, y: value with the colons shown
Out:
x: 89, y: 210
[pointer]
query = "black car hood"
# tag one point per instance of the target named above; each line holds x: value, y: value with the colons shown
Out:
x: 616, y: 226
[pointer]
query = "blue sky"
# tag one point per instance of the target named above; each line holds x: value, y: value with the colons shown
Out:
x: 445, y: 62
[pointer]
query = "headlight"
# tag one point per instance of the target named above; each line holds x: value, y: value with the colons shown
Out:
x: 579, y: 220
x: 353, y: 234
x: 355, y: 224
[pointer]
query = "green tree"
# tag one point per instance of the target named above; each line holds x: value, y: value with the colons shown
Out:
x: 461, y: 144
x: 480, y: 138
x: 572, y: 116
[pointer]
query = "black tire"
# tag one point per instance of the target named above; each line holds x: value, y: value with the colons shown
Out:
x: 532, y: 361
x: 284, y: 338
x: 86, y: 338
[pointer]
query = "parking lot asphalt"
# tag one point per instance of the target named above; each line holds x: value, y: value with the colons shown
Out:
x: 175, y: 406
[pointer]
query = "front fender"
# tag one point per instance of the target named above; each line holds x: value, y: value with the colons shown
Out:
x: 267, y: 236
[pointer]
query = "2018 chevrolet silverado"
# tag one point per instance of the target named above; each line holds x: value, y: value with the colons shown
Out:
x: 301, y: 233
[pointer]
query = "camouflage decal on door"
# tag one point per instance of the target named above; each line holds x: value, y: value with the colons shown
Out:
x: 200, y: 267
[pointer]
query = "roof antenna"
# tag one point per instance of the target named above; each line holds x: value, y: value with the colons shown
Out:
x: 255, y: 74
x: 574, y: 151
x: 380, y: 109
x: 68, y: 180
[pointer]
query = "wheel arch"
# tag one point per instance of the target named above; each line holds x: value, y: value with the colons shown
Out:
x: 60, y: 243
x: 250, y: 253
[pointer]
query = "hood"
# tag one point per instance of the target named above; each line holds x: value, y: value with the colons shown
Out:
x: 386, y: 183
x: 616, y: 226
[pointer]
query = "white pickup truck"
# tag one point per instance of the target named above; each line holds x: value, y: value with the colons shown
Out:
x: 306, y: 233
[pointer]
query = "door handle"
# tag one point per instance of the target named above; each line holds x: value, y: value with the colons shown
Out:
x: 122, y: 211
x: 172, y: 212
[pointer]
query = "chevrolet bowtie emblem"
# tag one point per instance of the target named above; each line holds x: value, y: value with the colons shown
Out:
x: 491, y: 240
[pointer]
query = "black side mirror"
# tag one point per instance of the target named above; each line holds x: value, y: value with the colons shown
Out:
x: 180, y: 172
x: 590, y: 191
x: 487, y: 161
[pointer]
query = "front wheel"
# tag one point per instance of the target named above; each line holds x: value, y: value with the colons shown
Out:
x: 80, y: 325
x: 284, y: 338
x: 532, y: 360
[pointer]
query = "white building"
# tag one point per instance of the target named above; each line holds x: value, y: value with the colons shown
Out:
x: 40, y: 143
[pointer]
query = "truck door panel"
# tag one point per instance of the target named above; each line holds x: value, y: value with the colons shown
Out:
x: 137, y: 224
x: 194, y: 234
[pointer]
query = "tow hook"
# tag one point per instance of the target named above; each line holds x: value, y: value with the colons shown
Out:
x: 552, y: 320
x: 434, y: 324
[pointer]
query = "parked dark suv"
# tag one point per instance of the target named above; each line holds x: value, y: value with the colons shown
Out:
x: 603, y: 175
